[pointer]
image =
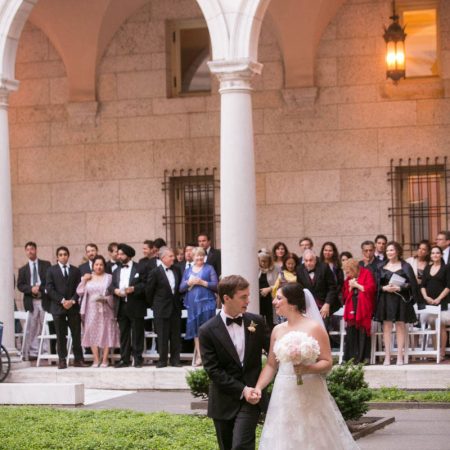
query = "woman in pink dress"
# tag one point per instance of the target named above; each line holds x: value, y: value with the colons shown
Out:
x: 97, y: 312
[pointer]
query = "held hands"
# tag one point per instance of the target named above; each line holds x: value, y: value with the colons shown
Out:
x: 265, y: 291
x: 352, y: 283
x: 129, y: 290
x: 119, y: 293
x: 35, y: 290
x: 67, y: 304
x: 252, y: 395
x: 325, y: 310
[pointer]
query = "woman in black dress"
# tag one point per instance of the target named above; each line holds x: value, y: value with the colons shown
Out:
x: 397, y: 293
x: 268, y: 275
x: 436, y: 289
x: 329, y: 255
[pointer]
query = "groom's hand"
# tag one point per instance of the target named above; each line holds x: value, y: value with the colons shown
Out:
x: 251, y: 396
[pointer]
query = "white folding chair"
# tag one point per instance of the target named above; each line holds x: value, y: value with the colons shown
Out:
x: 377, y: 345
x: 45, y: 335
x: 23, y: 316
x: 425, y: 331
x: 152, y: 352
x: 341, y: 333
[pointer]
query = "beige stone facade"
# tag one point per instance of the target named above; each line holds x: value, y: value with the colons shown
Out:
x: 322, y: 153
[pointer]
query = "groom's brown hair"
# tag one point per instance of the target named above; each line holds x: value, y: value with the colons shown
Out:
x: 230, y: 285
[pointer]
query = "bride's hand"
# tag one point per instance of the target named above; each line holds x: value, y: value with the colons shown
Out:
x: 301, y: 369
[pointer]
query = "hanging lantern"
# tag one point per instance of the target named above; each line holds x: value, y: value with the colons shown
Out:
x: 394, y: 37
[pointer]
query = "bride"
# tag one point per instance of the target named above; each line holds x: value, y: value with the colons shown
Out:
x: 306, y: 416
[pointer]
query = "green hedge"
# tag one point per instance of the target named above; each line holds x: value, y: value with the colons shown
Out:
x: 393, y: 394
x: 47, y: 428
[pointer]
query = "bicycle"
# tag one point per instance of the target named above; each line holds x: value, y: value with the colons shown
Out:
x: 5, y: 360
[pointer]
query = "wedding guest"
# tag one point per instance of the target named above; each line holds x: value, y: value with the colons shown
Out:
x: 91, y: 252
x: 162, y: 292
x: 397, y: 293
x: 420, y: 260
x: 358, y: 292
x: 188, y: 261
x: 113, y: 262
x: 149, y: 261
x: 436, y: 289
x: 279, y: 251
x: 101, y: 330
x: 344, y: 256
x: 31, y: 282
x: 288, y: 273
x: 179, y: 254
x: 267, y: 277
x: 443, y: 242
x: 62, y: 280
x: 130, y: 307
x: 318, y: 278
x: 199, y: 285
x: 304, y: 243
x: 213, y: 255
x: 369, y: 261
x: 329, y: 255
x: 380, y: 247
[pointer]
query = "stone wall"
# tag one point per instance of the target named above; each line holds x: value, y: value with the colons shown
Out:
x: 322, y: 153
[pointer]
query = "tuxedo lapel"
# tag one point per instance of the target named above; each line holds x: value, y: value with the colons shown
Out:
x: 28, y: 273
x: 132, y: 273
x: 246, y: 324
x: 224, y: 337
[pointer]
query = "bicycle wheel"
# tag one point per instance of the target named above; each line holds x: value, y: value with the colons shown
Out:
x: 5, y: 363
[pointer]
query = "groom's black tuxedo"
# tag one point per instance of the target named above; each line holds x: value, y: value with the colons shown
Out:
x: 233, y: 416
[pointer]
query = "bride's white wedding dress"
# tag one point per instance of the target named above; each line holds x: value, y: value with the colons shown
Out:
x: 303, y: 417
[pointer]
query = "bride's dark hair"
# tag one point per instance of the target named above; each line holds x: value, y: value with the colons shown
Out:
x: 295, y: 295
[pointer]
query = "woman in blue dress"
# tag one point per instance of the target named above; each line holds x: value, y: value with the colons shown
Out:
x: 199, y: 286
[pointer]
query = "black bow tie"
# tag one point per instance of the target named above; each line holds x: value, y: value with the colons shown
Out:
x: 125, y: 266
x: 168, y: 268
x: 311, y: 271
x: 237, y: 320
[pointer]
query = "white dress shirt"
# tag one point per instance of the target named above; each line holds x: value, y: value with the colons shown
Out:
x: 170, y: 276
x: 446, y: 254
x: 61, y: 266
x: 125, y: 277
x: 237, y: 335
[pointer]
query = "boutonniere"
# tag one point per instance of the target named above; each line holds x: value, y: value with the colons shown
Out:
x: 252, y: 327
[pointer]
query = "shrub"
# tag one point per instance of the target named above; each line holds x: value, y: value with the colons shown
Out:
x: 198, y: 382
x: 351, y: 393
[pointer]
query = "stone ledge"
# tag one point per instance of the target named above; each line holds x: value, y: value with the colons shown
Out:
x: 41, y: 394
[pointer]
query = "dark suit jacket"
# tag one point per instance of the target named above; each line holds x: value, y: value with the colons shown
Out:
x: 159, y: 294
x: 324, y: 286
x: 146, y: 265
x: 110, y: 265
x: 24, y: 285
x: 221, y: 362
x: 136, y: 305
x: 214, y: 259
x: 85, y: 268
x: 58, y: 288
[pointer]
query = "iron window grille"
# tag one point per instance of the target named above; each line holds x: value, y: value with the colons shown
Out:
x: 419, y: 199
x: 190, y: 205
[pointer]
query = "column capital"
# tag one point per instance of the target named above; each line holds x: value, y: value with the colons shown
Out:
x: 6, y: 87
x: 236, y: 74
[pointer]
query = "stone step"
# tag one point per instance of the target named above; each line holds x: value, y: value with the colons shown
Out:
x: 411, y: 376
x: 41, y: 394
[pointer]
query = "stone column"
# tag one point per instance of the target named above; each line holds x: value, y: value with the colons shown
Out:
x: 237, y: 172
x: 6, y: 229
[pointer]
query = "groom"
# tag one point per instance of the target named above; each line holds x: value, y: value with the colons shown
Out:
x: 231, y: 345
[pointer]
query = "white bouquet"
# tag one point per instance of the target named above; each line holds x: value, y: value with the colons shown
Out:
x: 298, y: 348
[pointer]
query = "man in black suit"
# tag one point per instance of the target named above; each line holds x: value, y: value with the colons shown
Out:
x: 61, y: 284
x: 368, y: 257
x: 113, y: 263
x: 163, y: 297
x: 317, y: 277
x: 213, y: 256
x: 31, y: 282
x: 188, y: 260
x: 231, y: 345
x: 151, y: 259
x: 91, y: 252
x: 305, y: 243
x: 380, y: 247
x: 128, y: 288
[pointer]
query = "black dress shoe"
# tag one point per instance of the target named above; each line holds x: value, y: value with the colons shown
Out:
x: 81, y: 363
x: 177, y: 365
x: 62, y: 364
x: 139, y: 363
x: 121, y: 364
x: 160, y: 365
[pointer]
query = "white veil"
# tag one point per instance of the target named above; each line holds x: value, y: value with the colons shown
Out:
x: 312, y: 311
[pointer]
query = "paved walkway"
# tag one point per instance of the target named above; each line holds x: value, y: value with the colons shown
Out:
x: 413, y: 429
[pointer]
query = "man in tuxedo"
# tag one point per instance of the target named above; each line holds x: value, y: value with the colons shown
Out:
x: 443, y: 242
x: 130, y: 308
x: 31, y: 282
x: 151, y: 259
x: 91, y: 252
x: 380, y: 247
x: 231, y: 345
x: 304, y: 243
x: 62, y: 281
x: 317, y: 277
x: 113, y: 263
x: 213, y: 256
x: 163, y: 296
x: 368, y: 257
